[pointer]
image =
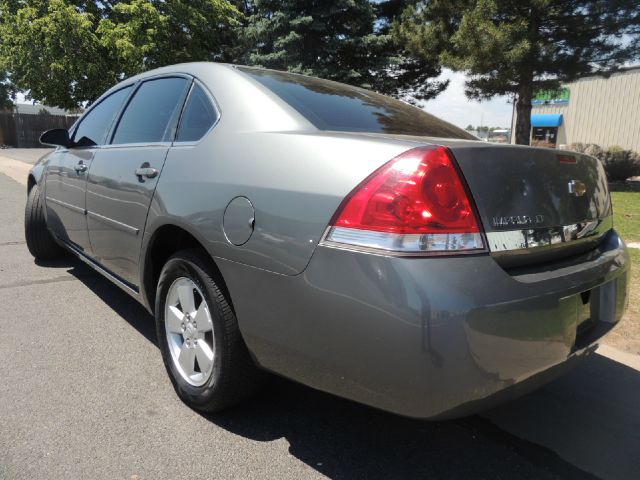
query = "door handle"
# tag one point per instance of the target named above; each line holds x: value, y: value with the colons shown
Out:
x: 146, y: 171
x: 80, y: 167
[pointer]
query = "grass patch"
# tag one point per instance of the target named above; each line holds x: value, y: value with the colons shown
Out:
x: 634, y: 303
x: 626, y: 215
x: 633, y: 312
x: 626, y: 212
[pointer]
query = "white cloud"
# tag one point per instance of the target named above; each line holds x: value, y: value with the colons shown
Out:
x: 453, y: 106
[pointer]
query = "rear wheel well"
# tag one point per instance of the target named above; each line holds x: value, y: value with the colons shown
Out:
x: 166, y: 241
x: 31, y: 181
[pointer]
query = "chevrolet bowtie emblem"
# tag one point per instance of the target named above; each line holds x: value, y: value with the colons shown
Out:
x: 577, y: 188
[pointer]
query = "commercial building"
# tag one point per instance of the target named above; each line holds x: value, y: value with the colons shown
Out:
x: 604, y: 111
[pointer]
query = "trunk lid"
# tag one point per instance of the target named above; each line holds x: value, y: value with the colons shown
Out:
x: 529, y: 197
x: 536, y: 197
x: 517, y: 188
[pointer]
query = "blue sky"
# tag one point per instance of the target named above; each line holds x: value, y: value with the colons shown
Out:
x: 453, y: 106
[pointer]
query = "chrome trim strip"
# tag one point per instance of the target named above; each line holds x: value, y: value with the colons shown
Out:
x: 66, y: 205
x: 120, y: 225
x: 533, y: 238
x: 126, y: 286
x: 115, y: 146
x: 402, y: 244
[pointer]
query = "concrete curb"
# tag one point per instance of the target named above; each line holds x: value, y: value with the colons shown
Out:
x: 628, y: 359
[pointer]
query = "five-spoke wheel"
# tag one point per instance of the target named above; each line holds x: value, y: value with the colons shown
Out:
x: 189, y: 331
x: 202, y: 348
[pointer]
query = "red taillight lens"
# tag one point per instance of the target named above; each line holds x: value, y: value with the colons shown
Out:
x: 411, y: 201
x: 419, y: 191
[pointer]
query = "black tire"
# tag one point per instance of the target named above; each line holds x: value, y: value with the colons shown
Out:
x: 234, y: 376
x: 40, y: 242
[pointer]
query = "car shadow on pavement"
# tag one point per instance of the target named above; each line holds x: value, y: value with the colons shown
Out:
x: 590, y: 416
x: 584, y: 425
x: 121, y: 303
x: 342, y: 439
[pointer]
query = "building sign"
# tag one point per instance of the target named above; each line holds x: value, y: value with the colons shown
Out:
x: 551, y: 97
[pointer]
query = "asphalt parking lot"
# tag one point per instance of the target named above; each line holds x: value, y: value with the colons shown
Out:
x: 83, y: 394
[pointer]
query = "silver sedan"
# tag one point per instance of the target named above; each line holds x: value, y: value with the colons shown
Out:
x: 275, y: 222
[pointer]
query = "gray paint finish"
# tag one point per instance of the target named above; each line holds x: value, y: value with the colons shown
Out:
x: 293, y: 199
x: 65, y: 195
x: 117, y: 202
x: 508, y: 181
x: 422, y: 337
x: 419, y: 336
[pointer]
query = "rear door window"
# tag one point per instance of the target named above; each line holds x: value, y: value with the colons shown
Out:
x: 198, y: 117
x: 152, y: 114
x: 93, y: 128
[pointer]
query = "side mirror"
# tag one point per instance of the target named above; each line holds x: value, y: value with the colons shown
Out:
x: 56, y: 137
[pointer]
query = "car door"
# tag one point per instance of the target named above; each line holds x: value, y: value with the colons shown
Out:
x: 124, y: 173
x: 66, y: 175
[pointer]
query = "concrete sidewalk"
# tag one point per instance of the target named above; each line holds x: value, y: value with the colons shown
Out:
x: 25, y: 155
x: 14, y: 169
x: 16, y: 162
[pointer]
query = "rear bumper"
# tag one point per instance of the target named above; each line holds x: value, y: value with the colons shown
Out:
x: 428, y: 337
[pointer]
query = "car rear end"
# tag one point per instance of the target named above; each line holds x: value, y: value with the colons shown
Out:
x: 453, y: 276
x: 513, y: 273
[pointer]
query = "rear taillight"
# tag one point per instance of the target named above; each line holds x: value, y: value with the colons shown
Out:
x: 414, y: 204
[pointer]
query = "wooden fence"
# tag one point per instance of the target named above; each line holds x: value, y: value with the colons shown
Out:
x: 23, y: 131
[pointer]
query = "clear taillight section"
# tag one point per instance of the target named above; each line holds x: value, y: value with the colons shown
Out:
x: 414, y: 204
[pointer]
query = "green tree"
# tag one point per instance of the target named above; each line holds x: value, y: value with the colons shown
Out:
x: 65, y: 53
x: 343, y: 40
x: 52, y: 52
x: 143, y: 34
x: 518, y: 47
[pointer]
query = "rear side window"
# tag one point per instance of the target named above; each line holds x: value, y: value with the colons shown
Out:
x: 338, y: 107
x: 152, y: 114
x: 94, y: 126
x: 198, y: 117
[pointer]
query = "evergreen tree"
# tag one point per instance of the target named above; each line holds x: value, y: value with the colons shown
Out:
x: 518, y: 47
x: 408, y: 76
x: 343, y: 40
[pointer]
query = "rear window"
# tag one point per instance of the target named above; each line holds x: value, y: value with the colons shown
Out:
x: 334, y: 106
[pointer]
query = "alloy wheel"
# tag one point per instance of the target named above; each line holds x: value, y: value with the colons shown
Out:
x: 189, y: 330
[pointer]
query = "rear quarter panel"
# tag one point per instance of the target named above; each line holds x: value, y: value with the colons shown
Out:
x: 294, y: 181
x: 294, y: 176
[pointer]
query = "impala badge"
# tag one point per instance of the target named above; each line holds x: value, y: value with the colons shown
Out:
x: 517, y: 220
x: 577, y: 188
